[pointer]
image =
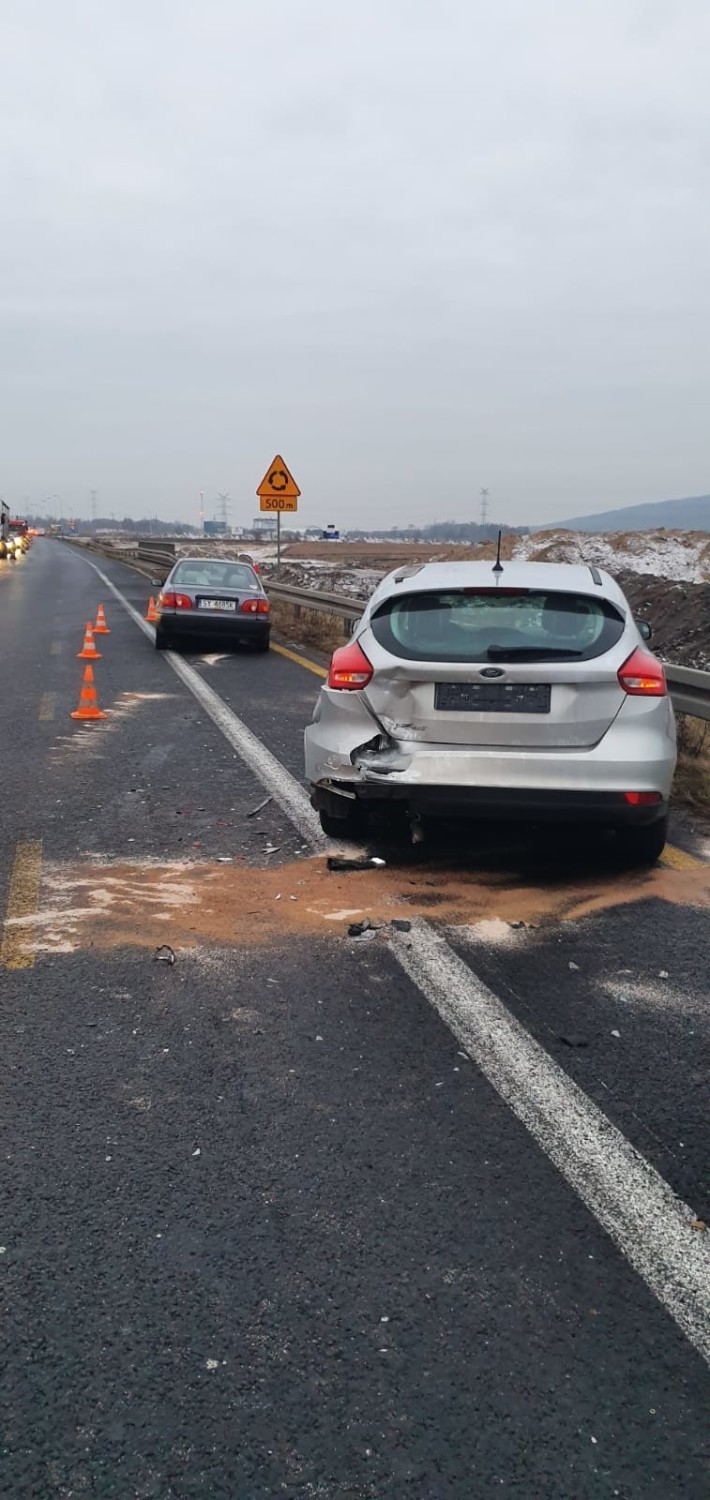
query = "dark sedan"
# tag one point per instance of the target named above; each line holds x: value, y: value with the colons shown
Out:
x: 210, y: 600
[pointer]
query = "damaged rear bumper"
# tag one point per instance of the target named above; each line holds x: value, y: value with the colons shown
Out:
x: 349, y: 757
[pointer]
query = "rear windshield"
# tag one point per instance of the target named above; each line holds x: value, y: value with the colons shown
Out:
x: 483, y: 625
x: 197, y: 573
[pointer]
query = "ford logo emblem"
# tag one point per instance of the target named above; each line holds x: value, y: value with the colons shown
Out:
x: 492, y: 672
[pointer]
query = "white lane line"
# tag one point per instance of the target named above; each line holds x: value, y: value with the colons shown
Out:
x: 639, y: 1211
x: 278, y: 781
x: 650, y: 1225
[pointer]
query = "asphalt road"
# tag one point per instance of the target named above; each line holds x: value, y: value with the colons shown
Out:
x: 408, y: 1215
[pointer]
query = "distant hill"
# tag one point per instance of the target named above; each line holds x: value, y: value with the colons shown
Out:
x: 681, y: 515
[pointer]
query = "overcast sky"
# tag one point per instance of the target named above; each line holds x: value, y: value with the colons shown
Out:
x: 417, y: 246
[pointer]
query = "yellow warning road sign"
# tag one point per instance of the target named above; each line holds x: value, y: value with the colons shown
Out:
x: 278, y: 484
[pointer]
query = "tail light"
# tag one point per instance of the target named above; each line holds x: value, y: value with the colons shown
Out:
x: 349, y: 668
x: 643, y: 676
x: 174, y: 601
x: 255, y: 607
x: 642, y: 799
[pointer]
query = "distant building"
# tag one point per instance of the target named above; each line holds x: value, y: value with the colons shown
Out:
x: 215, y: 528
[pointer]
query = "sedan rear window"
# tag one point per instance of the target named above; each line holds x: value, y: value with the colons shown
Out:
x: 195, y: 573
x: 487, y: 625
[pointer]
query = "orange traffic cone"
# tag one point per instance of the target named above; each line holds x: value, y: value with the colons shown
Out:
x: 101, y: 628
x: 88, y: 650
x: 88, y: 703
x: 153, y: 613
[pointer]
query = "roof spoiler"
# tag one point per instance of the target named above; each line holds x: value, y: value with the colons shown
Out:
x: 408, y: 572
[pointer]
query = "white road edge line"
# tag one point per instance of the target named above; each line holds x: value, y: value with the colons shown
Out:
x: 274, y: 777
x: 639, y: 1211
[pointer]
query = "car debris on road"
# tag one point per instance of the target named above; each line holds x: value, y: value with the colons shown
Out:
x: 259, y: 807
x: 164, y: 954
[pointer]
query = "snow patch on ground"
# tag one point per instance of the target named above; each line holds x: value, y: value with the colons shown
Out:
x: 681, y: 556
x: 352, y: 582
x: 257, y: 552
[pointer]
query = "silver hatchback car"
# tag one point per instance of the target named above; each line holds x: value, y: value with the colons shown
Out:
x: 522, y: 691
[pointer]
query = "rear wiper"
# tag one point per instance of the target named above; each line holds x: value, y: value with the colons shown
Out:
x: 531, y: 653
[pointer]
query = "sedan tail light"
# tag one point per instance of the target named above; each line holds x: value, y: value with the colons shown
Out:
x: 349, y: 668
x: 174, y: 601
x: 643, y: 676
x: 255, y: 607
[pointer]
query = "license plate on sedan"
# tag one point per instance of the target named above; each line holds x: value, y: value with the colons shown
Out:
x: 492, y: 697
x: 216, y: 604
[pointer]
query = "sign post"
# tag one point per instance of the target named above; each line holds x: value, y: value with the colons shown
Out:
x: 278, y: 492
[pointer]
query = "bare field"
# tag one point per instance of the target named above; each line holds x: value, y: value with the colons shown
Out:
x: 388, y: 555
x: 682, y: 556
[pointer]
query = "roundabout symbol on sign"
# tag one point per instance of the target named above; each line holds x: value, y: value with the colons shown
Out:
x: 280, y: 476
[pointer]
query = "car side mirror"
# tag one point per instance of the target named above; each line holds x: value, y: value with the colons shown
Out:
x: 155, y: 583
x: 645, y: 629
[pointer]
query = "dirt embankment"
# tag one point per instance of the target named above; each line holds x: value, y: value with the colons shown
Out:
x: 679, y: 614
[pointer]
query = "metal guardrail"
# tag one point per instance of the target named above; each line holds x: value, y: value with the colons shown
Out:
x: 160, y: 554
x: 317, y: 599
x: 689, y: 690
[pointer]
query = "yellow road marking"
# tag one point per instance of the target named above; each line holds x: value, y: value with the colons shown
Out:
x: 301, y: 660
x: 46, y: 707
x: 55, y: 648
x: 22, y: 901
x: 678, y: 859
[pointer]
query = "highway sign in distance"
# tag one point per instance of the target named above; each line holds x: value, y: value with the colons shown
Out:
x: 278, y: 484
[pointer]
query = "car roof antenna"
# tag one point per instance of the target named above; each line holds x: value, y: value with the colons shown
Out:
x: 498, y: 566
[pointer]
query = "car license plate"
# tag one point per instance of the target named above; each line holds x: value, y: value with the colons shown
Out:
x: 216, y: 604
x: 492, y: 697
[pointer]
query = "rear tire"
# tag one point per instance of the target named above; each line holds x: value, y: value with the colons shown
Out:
x: 641, y: 848
x: 162, y: 640
x: 352, y: 826
x: 263, y: 645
